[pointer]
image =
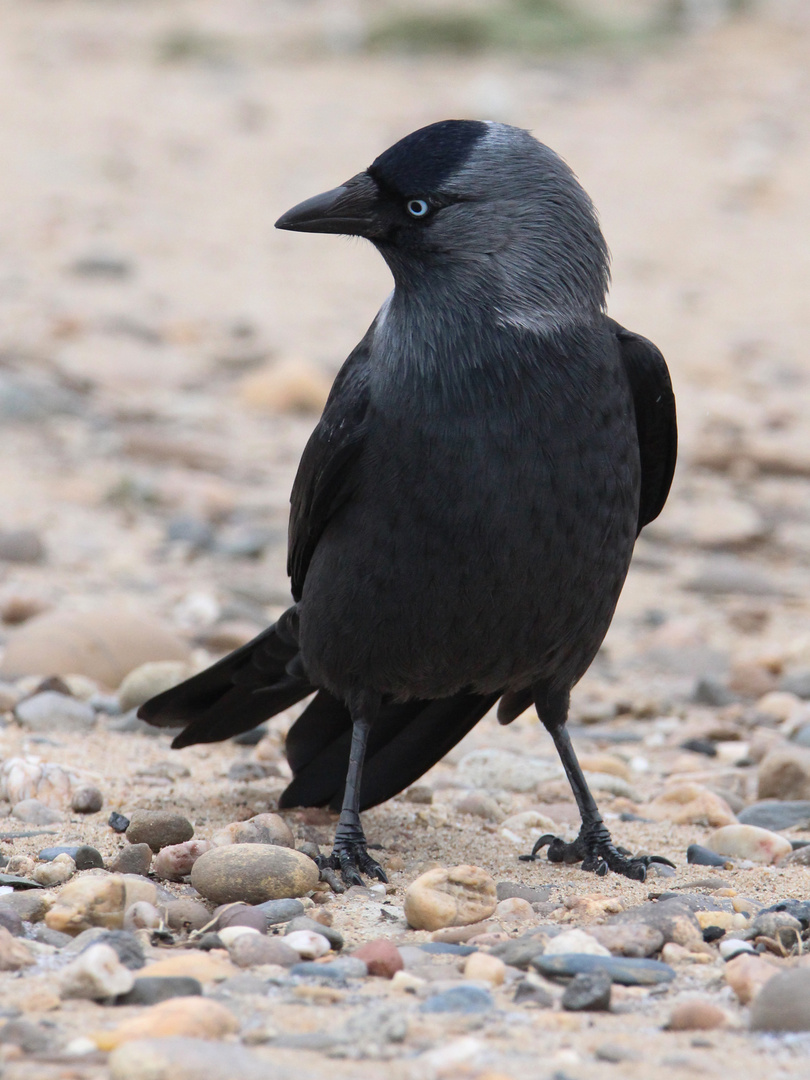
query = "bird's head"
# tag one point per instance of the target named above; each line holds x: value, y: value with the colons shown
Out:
x: 467, y: 201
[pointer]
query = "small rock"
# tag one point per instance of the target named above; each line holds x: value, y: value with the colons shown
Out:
x: 698, y: 855
x: 31, y: 905
x: 261, y: 829
x: 86, y: 800
x: 464, y: 998
x: 723, y: 920
x: 624, y: 970
x: 515, y: 909
x: 588, y: 992
x: 346, y: 967
x: 150, y: 679
x: 240, y: 915
x: 332, y: 935
x: 690, y: 804
x: 307, y: 944
x: 126, y: 945
x: 173, y: 863
x: 11, y: 921
x: 50, y: 712
x: 178, y: 1058
x: 458, y: 935
x: 96, y: 973
x: 777, y: 814
x: 480, y: 805
x: 519, y: 953
x: 783, y: 1003
x: 95, y: 901
x: 229, y: 934
x: 382, y: 958
x: 84, y: 856
x: 141, y: 916
x: 280, y: 911
x: 117, y: 822
x: 575, y: 941
x: 195, y: 1017
x: 420, y: 794
x: 673, y: 918
x: 746, y: 975
x: 749, y: 842
x: 450, y: 897
x: 697, y: 1014
x: 135, y: 859
x: 152, y: 991
x: 252, y: 948
x: 34, y: 812
x: 158, y: 828
x: 14, y: 954
x: 505, y: 890
x: 533, y: 991
x: 56, y: 872
x: 769, y: 923
x: 629, y: 939
x: 784, y: 774
x: 102, y: 644
x: 198, y: 965
x: 21, y: 546
x: 731, y: 947
x: 482, y: 967
x: 253, y: 873
x: 185, y: 914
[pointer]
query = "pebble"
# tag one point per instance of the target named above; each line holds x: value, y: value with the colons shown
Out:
x: 239, y: 915
x: 776, y: 814
x: 251, y: 949
x: 11, y: 921
x: 332, y: 935
x: 629, y: 939
x: 151, y: 991
x: 195, y: 1017
x: 103, y: 644
x: 533, y: 991
x: 465, y: 998
x: 450, y: 897
x: 482, y: 967
x: 480, y: 805
x: 51, y: 712
x: 731, y: 947
x: 588, y: 992
x: 31, y: 905
x: 253, y: 873
x: 179, y: 1058
x: 690, y: 804
x: 381, y: 957
x: 746, y: 975
x: 783, y: 1003
x: 173, y: 863
x: 575, y: 941
x: 505, y: 890
x: 14, y: 954
x: 749, y: 842
x: 149, y: 679
x: 34, y: 812
x: 673, y: 918
x: 346, y: 967
x: 280, y: 911
x: 261, y: 829
x: 697, y: 855
x: 84, y: 856
x: 96, y: 901
x: 21, y: 546
x: 86, y: 800
x: 196, y: 964
x: 697, y: 1014
x: 185, y: 914
x: 135, y: 859
x: 502, y: 770
x: 625, y: 970
x: 117, y: 822
x: 96, y: 973
x: 308, y: 944
x: 158, y: 828
x: 124, y: 943
x: 784, y: 774
x: 769, y: 923
x: 519, y: 953
x: 514, y: 909
x: 141, y: 916
x: 56, y: 872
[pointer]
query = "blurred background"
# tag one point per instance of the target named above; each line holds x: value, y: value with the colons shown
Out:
x: 164, y: 353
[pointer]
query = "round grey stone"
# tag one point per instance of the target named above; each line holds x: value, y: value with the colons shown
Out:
x: 49, y: 711
x: 588, y: 992
x: 86, y: 800
x: 158, y: 828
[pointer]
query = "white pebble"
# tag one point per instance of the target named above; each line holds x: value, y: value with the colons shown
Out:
x: 96, y: 973
x: 229, y: 934
x: 732, y: 947
x: 575, y: 941
x: 307, y: 944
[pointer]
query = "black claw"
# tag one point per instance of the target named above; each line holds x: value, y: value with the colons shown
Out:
x: 350, y: 859
x: 597, y: 854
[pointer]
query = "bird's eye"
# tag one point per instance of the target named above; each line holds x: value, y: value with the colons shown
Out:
x: 417, y: 208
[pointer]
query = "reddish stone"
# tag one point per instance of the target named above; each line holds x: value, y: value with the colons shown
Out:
x: 381, y: 957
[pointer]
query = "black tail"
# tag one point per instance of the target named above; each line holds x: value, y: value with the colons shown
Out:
x: 233, y: 695
x: 405, y: 741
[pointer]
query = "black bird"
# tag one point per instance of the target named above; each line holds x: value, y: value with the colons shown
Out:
x: 464, y: 513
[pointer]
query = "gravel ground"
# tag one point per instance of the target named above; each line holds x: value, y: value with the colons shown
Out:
x: 163, y: 356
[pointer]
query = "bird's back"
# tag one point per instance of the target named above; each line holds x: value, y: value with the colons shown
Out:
x: 500, y: 557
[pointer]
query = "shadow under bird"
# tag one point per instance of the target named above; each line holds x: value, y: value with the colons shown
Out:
x: 465, y: 511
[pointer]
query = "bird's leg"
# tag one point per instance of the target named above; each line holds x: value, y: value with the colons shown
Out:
x: 349, y: 854
x: 593, y: 846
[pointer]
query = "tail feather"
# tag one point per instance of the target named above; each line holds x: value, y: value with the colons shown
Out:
x: 406, y: 739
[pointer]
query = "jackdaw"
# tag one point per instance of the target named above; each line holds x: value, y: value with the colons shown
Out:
x: 464, y: 513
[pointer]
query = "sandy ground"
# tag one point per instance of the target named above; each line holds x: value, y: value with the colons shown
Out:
x: 168, y: 176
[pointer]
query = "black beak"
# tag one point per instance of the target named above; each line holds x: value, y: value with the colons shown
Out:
x: 350, y: 210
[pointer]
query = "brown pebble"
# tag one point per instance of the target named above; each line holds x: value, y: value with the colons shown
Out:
x: 698, y: 1014
x: 450, y: 897
x: 240, y: 915
x: 158, y: 828
x: 249, y: 950
x: 86, y: 800
x: 135, y: 859
x: 185, y: 914
x: 381, y: 957
x: 747, y: 974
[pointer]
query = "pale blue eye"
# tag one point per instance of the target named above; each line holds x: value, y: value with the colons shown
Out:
x: 417, y: 207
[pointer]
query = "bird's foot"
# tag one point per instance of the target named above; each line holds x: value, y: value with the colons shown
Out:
x: 597, y: 853
x: 350, y: 857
